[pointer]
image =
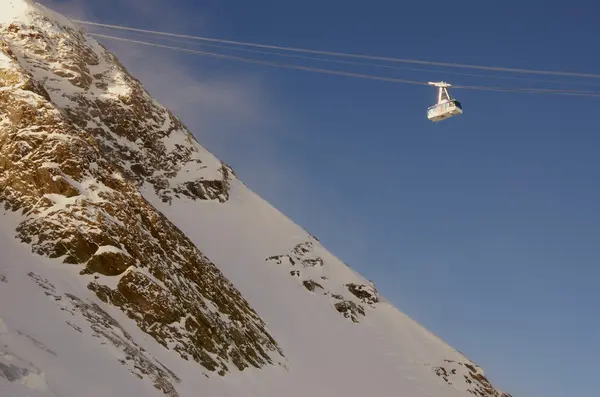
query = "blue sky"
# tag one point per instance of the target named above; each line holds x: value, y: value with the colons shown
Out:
x: 484, y: 228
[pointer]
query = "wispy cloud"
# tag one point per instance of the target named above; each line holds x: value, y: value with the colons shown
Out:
x: 219, y: 108
x: 232, y: 113
x: 228, y: 112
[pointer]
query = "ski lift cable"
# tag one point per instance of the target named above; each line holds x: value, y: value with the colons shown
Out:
x: 379, y: 65
x: 351, y: 74
x: 348, y: 55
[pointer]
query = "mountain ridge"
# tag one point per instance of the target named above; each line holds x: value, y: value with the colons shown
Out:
x: 163, y: 262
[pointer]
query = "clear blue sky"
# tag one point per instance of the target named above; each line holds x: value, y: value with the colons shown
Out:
x: 484, y: 228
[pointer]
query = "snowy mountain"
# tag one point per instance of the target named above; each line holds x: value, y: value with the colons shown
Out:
x: 133, y: 262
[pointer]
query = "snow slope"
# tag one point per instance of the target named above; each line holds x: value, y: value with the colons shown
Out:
x: 386, y: 352
x: 84, y: 145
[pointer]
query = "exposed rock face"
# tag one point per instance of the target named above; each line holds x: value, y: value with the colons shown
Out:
x: 478, y: 385
x: 311, y: 285
x: 94, y: 92
x: 350, y: 310
x: 347, y: 299
x: 78, y: 137
x: 367, y: 294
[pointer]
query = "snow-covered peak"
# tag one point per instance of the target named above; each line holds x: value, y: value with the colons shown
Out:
x: 73, y: 153
x: 142, y: 266
x: 16, y: 11
x: 25, y: 12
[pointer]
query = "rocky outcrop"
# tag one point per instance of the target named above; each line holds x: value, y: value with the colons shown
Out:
x: 477, y: 384
x: 366, y: 293
x: 95, y: 93
x: 78, y: 137
x: 304, y: 264
x: 350, y: 310
x: 311, y: 285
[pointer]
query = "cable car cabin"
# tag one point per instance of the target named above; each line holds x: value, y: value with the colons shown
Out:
x: 444, y: 110
x: 445, y: 107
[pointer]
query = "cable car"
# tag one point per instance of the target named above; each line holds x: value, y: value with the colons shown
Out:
x: 445, y: 107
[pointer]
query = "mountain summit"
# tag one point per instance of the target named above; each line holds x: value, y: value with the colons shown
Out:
x: 135, y: 263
